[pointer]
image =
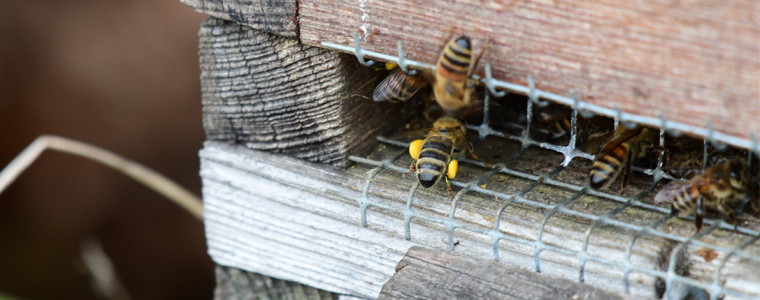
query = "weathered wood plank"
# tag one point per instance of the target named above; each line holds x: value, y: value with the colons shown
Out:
x: 233, y: 284
x: 688, y: 59
x: 273, y: 16
x: 272, y: 215
x: 273, y: 93
x: 430, y: 274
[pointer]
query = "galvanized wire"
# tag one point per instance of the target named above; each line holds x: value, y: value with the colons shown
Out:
x: 671, y: 276
x: 672, y: 127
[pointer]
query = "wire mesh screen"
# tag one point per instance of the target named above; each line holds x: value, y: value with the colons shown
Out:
x: 675, y: 283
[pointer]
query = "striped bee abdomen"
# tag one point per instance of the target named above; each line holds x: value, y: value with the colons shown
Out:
x: 433, y: 160
x: 397, y: 87
x: 607, y: 166
x: 686, y: 200
x: 454, y: 62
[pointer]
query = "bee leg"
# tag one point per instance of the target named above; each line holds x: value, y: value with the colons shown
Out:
x: 473, y: 83
x: 448, y: 187
x: 754, y: 205
x: 626, y: 173
x: 668, y: 164
x: 472, y: 149
x: 754, y: 202
x: 477, y: 59
x: 729, y: 214
x: 698, y: 222
x: 624, y: 182
x: 698, y: 217
x: 412, y: 168
x: 653, y: 146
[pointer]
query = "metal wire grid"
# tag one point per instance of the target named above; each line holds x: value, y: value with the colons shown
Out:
x: 715, y: 289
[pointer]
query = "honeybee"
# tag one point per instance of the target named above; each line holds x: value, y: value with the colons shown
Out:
x: 690, y: 157
x: 555, y: 120
x: 398, y: 87
x: 434, y: 156
x: 594, y: 141
x: 452, y: 85
x: 561, y: 129
x: 618, y: 154
x: 590, y: 132
x: 714, y: 187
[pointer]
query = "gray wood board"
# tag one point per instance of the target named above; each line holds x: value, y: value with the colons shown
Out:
x: 273, y: 93
x: 273, y: 16
x: 435, y: 274
x: 300, y: 221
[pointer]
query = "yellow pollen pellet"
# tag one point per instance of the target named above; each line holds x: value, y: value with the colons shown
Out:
x: 452, y: 171
x: 414, y: 148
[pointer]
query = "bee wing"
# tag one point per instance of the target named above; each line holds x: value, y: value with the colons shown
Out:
x: 594, y: 145
x: 620, y: 136
x: 552, y: 113
x: 670, y: 191
x: 415, y: 134
x: 685, y: 171
x: 398, y: 87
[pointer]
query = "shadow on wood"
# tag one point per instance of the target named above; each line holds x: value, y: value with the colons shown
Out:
x: 435, y: 274
x: 273, y: 93
x: 233, y: 284
x: 273, y: 16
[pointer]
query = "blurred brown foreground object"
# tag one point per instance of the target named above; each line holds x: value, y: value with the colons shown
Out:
x: 433, y: 274
x: 122, y: 75
x: 142, y: 174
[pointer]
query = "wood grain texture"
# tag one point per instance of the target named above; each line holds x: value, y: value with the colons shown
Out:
x: 273, y: 93
x: 299, y: 221
x: 272, y: 16
x: 234, y: 284
x: 431, y: 274
x: 688, y: 59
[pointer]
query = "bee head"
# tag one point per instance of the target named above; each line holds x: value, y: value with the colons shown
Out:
x: 463, y: 42
x: 737, y: 171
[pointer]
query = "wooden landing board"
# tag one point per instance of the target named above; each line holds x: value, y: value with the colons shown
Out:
x: 688, y: 59
x: 431, y: 274
x: 300, y: 221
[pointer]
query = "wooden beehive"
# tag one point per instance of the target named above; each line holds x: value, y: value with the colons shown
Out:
x: 267, y: 85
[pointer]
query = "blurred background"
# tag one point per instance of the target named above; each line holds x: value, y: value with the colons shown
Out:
x: 122, y: 75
